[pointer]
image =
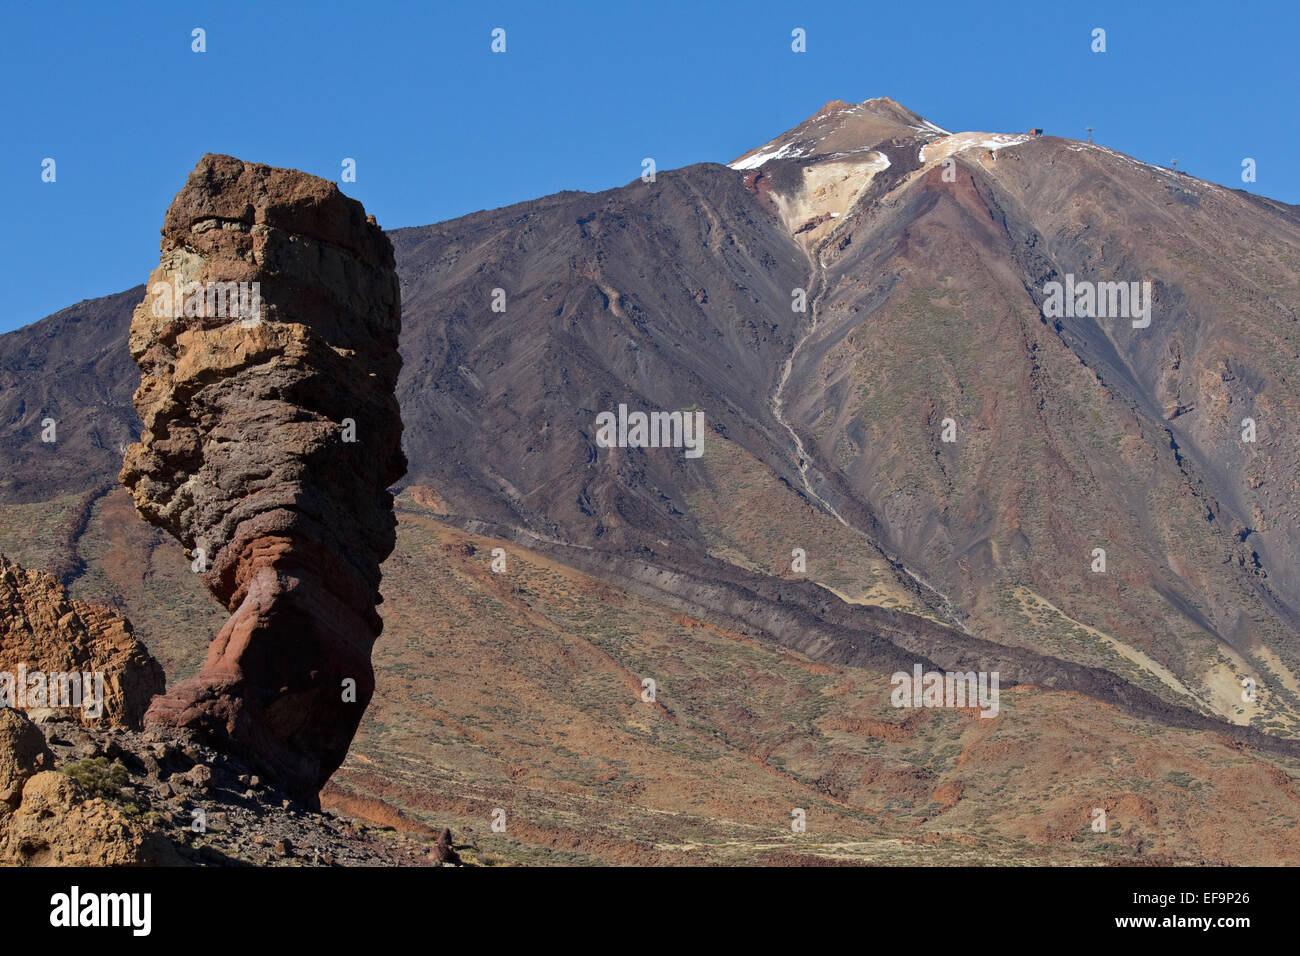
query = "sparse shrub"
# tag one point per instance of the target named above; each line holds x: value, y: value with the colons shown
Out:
x: 98, y: 777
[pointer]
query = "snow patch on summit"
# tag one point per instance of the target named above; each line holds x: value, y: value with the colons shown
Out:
x: 929, y: 127
x: 791, y: 150
x: 957, y: 142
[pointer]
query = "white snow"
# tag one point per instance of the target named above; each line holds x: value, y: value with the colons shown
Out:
x: 957, y: 142
x: 791, y: 149
x: 849, y: 152
x: 929, y: 129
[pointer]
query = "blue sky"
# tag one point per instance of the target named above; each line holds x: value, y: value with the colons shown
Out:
x: 440, y: 126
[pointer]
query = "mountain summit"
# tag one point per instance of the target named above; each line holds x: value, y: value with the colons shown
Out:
x: 841, y: 129
x: 822, y: 167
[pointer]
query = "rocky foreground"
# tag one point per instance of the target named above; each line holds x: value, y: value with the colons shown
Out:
x: 83, y: 785
x: 72, y: 795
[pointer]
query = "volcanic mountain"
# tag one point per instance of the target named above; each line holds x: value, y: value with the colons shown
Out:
x: 908, y: 457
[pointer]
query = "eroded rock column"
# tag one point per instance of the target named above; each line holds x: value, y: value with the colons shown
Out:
x: 267, y: 343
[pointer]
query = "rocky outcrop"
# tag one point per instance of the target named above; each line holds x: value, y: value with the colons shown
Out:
x: 57, y: 654
x: 47, y: 819
x: 23, y: 752
x: 83, y: 796
x: 271, y: 435
x: 58, y: 825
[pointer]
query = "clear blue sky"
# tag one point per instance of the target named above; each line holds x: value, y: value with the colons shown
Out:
x: 440, y: 126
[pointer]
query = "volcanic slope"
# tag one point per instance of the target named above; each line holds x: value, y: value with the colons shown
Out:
x: 922, y: 257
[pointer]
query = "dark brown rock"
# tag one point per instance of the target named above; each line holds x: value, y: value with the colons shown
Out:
x: 443, y: 851
x: 248, y: 458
